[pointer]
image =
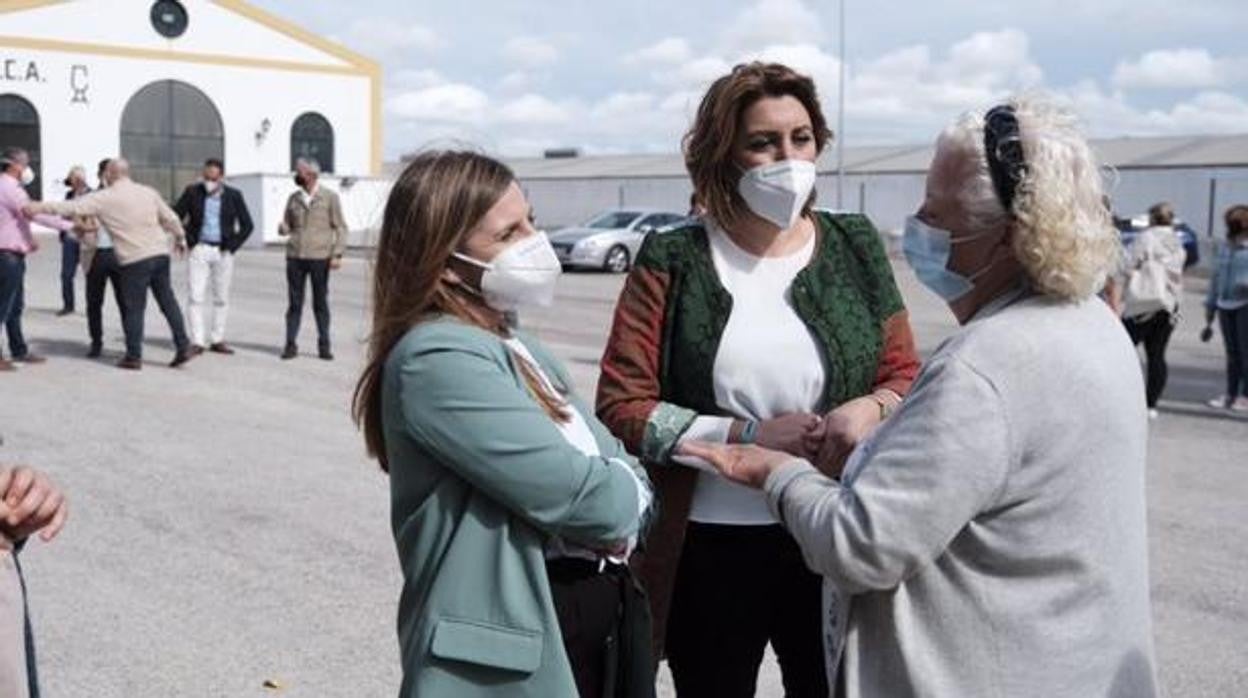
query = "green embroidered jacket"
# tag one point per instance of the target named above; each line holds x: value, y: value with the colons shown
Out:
x: 657, y: 371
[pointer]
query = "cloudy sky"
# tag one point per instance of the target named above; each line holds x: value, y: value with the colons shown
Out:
x: 612, y: 76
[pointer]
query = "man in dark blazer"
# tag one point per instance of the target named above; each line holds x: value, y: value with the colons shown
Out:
x: 217, y: 224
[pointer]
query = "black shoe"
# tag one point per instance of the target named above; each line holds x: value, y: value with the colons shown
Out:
x: 182, y: 357
x: 325, y: 354
x: 130, y: 364
x: 290, y: 352
x: 221, y: 348
x: 95, y: 351
x: 65, y: 311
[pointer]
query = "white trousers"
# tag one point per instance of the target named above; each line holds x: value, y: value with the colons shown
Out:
x: 209, y: 264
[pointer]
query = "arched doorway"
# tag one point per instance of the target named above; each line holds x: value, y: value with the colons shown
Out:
x: 312, y: 137
x: 19, y: 126
x: 168, y: 129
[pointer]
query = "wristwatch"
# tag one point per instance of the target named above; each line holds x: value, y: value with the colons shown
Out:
x: 748, y: 433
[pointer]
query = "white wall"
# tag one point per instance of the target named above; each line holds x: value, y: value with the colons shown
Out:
x: 77, y: 133
x: 363, y: 203
x: 210, y: 29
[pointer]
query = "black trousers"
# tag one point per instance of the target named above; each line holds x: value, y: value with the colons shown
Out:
x: 136, y: 278
x: 738, y: 588
x: 587, y: 603
x: 1154, y: 333
x: 104, y: 270
x: 298, y: 271
x: 70, y: 250
x: 1234, y: 324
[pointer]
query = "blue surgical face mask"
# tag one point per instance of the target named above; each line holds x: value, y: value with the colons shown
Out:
x: 928, y: 250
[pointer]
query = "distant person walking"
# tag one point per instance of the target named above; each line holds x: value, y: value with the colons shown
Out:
x: 316, y: 237
x: 16, y: 241
x: 140, y: 224
x: 1228, y: 302
x: 217, y: 225
x: 76, y: 180
x: 1151, y: 288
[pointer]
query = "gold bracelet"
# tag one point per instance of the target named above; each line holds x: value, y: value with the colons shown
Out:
x: 886, y: 406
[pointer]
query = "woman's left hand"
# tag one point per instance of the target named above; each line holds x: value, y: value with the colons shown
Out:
x: 840, y: 433
x: 747, y: 465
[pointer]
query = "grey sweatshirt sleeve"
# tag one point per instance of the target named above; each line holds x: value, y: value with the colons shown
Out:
x: 941, y: 460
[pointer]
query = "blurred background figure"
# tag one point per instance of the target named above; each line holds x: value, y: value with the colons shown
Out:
x: 317, y: 237
x: 76, y: 181
x: 1228, y: 302
x: 140, y: 225
x: 17, y: 241
x: 1152, y: 284
x: 99, y: 261
x: 217, y: 225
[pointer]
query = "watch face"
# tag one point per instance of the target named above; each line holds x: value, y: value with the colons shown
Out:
x: 169, y: 18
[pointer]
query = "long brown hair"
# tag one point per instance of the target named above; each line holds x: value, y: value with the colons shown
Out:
x: 440, y: 196
x: 710, y: 141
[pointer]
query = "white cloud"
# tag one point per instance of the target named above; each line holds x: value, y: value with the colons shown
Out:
x: 1110, y: 114
x: 768, y: 22
x: 452, y: 102
x: 1184, y: 68
x: 669, y: 51
x: 384, y: 36
x: 532, y: 109
x: 415, y: 79
x: 530, y: 52
x: 515, y: 81
x: 699, y: 72
x: 911, y: 90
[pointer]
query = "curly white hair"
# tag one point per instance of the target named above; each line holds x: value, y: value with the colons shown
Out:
x: 1063, y: 234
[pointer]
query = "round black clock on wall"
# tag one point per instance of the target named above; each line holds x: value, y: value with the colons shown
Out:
x: 169, y: 18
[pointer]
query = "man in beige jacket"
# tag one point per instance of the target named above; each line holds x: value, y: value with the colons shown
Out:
x: 317, y: 236
x: 141, y: 225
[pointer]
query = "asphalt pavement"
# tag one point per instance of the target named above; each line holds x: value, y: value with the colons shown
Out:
x: 228, y: 530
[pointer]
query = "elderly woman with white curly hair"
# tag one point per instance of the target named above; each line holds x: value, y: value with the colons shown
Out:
x: 990, y: 538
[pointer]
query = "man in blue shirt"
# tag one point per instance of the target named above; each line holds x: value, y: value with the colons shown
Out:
x: 217, y: 224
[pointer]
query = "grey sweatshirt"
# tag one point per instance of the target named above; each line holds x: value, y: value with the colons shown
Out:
x: 992, y: 537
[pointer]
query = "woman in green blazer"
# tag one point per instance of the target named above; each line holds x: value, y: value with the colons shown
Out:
x: 512, y: 506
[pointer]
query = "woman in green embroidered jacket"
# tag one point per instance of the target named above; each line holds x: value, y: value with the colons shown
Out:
x: 512, y: 506
x: 765, y: 321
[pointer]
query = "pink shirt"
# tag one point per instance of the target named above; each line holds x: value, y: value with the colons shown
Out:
x: 15, y: 233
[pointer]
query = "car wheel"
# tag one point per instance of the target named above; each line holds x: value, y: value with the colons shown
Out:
x: 617, y: 260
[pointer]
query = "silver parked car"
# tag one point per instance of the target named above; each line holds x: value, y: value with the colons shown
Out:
x: 609, y: 240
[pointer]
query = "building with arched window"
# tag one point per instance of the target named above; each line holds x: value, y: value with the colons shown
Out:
x: 170, y: 83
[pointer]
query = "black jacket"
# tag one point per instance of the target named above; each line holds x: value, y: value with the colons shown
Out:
x: 236, y: 223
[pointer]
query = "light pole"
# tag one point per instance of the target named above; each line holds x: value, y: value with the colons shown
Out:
x: 840, y: 119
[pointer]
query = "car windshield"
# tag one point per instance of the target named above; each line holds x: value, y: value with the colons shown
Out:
x: 612, y: 220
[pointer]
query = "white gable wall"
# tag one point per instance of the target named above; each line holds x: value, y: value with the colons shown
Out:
x: 244, y: 97
x: 212, y: 29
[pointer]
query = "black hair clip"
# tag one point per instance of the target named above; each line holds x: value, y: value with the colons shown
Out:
x: 1003, y: 146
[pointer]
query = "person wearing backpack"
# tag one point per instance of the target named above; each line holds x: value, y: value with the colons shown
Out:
x: 1152, y: 284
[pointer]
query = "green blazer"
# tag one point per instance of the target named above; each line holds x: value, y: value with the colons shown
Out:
x: 480, y: 478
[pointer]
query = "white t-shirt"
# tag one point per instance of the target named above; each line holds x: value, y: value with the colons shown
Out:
x: 768, y: 365
x: 577, y: 432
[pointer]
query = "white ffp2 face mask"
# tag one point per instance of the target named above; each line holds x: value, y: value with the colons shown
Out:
x: 777, y: 192
x: 523, y: 274
x: 28, y: 176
